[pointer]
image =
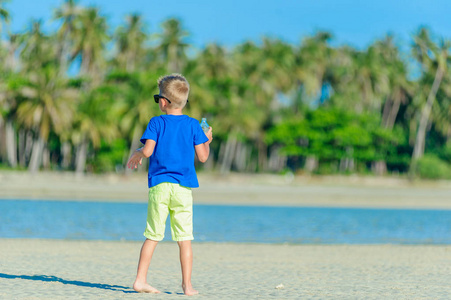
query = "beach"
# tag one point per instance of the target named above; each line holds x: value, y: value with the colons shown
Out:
x: 237, y: 189
x: 80, y: 269
x: 54, y: 269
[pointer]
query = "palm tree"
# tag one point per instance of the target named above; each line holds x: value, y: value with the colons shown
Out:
x: 45, y: 102
x: 399, y: 86
x: 37, y: 49
x: 8, y: 108
x: 312, y: 62
x: 172, y: 45
x: 4, y: 15
x: 277, y: 65
x: 130, y: 40
x: 371, y: 79
x: 275, y: 68
x: 67, y: 14
x: 8, y: 77
x: 214, y: 62
x: 90, y: 37
x: 47, y: 106
x: 394, y: 90
x: 93, y: 122
x: 442, y: 111
x: 4, y: 103
x: 312, y: 74
x: 434, y: 62
x: 211, y: 68
x: 12, y: 45
x: 245, y: 95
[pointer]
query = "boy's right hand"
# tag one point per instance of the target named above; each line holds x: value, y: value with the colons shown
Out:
x: 135, y: 159
x: 139, y: 154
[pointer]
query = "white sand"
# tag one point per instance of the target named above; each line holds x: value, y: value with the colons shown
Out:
x: 51, y: 269
x: 236, y: 189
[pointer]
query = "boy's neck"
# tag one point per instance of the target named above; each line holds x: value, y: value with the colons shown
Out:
x: 174, y: 111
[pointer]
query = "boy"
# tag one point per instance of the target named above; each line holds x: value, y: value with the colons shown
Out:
x: 170, y: 141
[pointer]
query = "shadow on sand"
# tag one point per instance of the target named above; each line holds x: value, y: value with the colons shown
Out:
x: 47, y: 278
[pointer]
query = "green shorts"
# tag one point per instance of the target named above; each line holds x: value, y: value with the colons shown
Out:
x: 176, y: 200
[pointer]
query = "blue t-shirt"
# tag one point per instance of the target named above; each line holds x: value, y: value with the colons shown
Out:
x: 173, y: 157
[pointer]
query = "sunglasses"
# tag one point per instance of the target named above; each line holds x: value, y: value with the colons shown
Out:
x: 158, y: 97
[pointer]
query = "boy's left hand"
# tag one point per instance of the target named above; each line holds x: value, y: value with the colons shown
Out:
x: 209, y: 134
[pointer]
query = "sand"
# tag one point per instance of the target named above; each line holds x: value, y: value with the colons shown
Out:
x: 71, y: 269
x: 53, y: 269
x: 236, y: 189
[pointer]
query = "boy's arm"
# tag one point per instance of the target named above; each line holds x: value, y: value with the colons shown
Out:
x: 139, y: 154
x: 203, y: 150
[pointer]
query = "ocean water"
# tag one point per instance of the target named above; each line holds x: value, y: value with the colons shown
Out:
x: 239, y: 224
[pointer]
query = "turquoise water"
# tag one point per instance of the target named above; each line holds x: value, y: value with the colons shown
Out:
x: 214, y: 223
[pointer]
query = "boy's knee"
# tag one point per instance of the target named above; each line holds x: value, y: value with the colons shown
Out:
x: 183, y: 243
x: 151, y: 240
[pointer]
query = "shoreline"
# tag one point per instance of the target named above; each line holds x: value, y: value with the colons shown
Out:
x: 236, y: 189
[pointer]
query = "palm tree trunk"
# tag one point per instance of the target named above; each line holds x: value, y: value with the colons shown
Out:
x: 311, y: 163
x: 172, y: 59
x: 80, y: 157
x: 64, y: 49
x: 240, y: 157
x: 386, y: 111
x: 276, y: 161
x: 2, y: 139
x: 391, y: 109
x: 418, y: 150
x: 36, y: 155
x: 379, y: 167
x: 21, y: 148
x: 228, y: 154
x: 66, y: 153
x: 210, y: 163
x: 390, y: 122
x: 28, y: 147
x: 46, y: 157
x: 262, y: 156
x: 11, y: 143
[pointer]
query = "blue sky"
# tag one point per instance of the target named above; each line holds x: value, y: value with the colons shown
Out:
x: 353, y: 22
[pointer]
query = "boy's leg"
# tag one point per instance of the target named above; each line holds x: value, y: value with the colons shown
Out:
x: 145, y: 257
x: 181, y: 208
x: 186, y: 262
x: 157, y: 213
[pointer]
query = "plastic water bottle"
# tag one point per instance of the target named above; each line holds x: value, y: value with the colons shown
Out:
x: 204, y: 125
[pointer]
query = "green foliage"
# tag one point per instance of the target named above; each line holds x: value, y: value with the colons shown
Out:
x: 331, y: 135
x: 445, y: 152
x: 110, y: 156
x: 82, y: 88
x: 432, y: 167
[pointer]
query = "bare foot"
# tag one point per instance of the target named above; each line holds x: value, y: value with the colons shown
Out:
x: 189, y: 291
x: 145, y: 288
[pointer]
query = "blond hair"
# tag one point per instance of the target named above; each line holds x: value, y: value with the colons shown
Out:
x: 175, y: 87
